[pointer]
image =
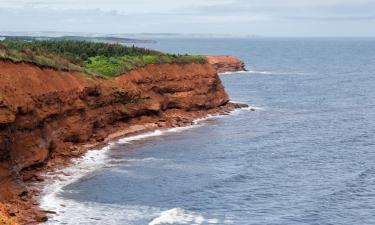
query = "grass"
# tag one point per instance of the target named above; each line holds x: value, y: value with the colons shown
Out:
x: 113, y: 66
x: 101, y: 59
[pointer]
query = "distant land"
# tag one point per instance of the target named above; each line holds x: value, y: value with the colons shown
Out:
x: 105, y: 39
x: 125, y: 38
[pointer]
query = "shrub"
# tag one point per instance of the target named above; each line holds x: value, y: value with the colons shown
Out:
x: 107, y: 60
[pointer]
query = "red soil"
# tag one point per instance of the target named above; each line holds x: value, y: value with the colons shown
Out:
x: 225, y: 63
x: 49, y: 116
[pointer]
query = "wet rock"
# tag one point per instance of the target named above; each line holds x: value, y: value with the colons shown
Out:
x: 49, y: 212
x: 240, y: 105
x: 40, y: 217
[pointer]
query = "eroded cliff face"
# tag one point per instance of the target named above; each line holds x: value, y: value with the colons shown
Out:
x: 47, y: 115
x: 225, y: 63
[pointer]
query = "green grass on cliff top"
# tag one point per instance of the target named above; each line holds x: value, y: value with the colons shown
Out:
x: 102, y: 59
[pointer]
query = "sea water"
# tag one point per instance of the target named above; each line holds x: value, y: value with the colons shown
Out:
x: 306, y: 155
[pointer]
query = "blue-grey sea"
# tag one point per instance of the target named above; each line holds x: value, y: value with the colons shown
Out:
x: 306, y: 155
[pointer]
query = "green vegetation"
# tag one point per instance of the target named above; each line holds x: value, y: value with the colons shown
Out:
x: 106, y: 60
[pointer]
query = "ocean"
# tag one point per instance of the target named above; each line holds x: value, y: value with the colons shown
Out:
x: 306, y: 155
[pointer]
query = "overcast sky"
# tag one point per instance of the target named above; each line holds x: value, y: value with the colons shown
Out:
x: 237, y: 17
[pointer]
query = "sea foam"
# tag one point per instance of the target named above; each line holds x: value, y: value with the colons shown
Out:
x: 181, y: 216
x: 235, y: 72
x: 264, y: 73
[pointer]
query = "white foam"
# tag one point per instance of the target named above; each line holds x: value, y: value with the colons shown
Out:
x: 155, y: 133
x: 90, y: 162
x: 104, y: 214
x: 127, y: 140
x: 136, y: 160
x: 275, y: 73
x: 249, y: 108
x: 181, y: 216
x: 235, y: 72
x: 110, y: 214
x: 265, y: 73
x: 262, y: 72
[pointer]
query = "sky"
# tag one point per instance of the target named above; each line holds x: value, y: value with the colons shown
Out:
x: 272, y: 18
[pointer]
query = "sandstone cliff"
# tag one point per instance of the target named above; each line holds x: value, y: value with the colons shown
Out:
x: 226, y: 63
x: 48, y: 116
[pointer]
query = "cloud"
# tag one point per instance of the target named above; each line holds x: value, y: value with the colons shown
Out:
x: 262, y: 17
x: 331, y: 18
x: 318, y: 9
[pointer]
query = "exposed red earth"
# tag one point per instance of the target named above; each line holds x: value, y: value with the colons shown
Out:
x: 48, y: 117
x: 225, y: 63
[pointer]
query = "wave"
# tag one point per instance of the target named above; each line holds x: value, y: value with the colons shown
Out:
x: 156, y: 133
x: 90, y: 213
x: 90, y: 162
x: 130, y: 139
x: 235, y: 72
x: 110, y: 214
x: 181, y: 216
x: 136, y: 160
x: 265, y: 73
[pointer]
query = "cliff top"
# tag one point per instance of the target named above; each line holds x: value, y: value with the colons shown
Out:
x: 100, y: 59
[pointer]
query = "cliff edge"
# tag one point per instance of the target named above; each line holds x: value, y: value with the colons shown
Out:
x: 49, y: 116
x: 225, y: 63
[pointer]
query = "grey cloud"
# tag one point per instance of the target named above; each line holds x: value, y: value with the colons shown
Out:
x: 345, y: 10
x: 260, y: 17
x: 331, y: 18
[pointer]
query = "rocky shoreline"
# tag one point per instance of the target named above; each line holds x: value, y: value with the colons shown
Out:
x: 48, y: 117
x: 183, y: 120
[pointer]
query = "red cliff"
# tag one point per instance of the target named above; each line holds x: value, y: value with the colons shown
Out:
x: 224, y: 63
x: 49, y: 116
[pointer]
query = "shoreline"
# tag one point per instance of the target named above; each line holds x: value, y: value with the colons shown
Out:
x: 59, y: 174
x: 84, y: 165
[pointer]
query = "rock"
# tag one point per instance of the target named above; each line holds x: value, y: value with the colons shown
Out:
x: 40, y: 217
x: 100, y: 139
x: 240, y: 105
x: 161, y: 124
x: 39, y: 178
x: 49, y: 212
x: 224, y: 63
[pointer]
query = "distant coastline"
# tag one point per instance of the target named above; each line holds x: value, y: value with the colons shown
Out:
x: 105, y: 39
